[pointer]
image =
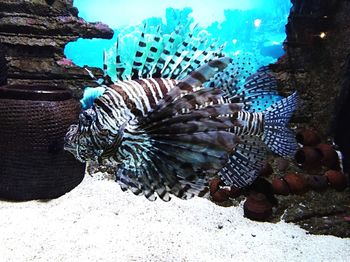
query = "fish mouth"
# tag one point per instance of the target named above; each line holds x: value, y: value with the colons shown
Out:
x: 68, y: 147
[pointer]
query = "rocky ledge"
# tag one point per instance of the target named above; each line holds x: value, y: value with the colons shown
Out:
x: 34, y: 34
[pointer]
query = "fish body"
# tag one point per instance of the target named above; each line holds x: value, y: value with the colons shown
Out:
x: 173, y: 135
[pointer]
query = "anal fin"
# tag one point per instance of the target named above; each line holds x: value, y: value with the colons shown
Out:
x: 244, y: 163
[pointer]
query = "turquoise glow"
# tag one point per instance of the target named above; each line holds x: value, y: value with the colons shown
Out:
x: 254, y: 28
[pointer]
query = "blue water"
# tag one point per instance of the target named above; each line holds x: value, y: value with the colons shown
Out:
x: 252, y: 28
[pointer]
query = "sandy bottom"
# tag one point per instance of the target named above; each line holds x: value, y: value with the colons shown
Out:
x: 99, y: 222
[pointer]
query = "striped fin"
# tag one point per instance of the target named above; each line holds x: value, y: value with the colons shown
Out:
x: 191, y: 106
x: 105, y: 67
x: 192, y: 82
x: 179, y: 157
x: 175, y: 61
x: 244, y: 163
x: 120, y: 67
x: 199, y: 58
x: 164, y: 57
x: 3, y: 67
x: 154, y: 52
x: 276, y: 135
x: 186, y: 59
x: 257, y: 92
x: 139, y: 60
x: 232, y: 78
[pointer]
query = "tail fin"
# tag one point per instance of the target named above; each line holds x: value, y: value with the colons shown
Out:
x: 276, y: 135
x: 3, y: 67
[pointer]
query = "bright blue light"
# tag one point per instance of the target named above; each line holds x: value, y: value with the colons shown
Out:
x: 254, y: 28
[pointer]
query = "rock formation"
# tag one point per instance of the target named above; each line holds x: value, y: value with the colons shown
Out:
x: 35, y: 33
x: 317, y: 64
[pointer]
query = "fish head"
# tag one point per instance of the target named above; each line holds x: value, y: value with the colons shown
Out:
x: 79, y: 139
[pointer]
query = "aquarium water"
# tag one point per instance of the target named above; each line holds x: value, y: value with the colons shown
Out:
x: 252, y: 29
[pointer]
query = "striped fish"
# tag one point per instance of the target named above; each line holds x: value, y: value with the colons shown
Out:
x: 171, y: 136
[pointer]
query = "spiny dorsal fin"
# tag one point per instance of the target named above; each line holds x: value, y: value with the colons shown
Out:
x: 194, y: 81
x: 140, y: 52
x: 120, y: 66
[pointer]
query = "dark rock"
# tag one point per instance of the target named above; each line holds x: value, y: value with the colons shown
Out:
x: 34, y: 34
x: 317, y: 183
x: 310, y: 210
x: 296, y: 182
x: 282, y: 164
x: 257, y: 207
x: 336, y: 179
x: 280, y: 187
x: 308, y: 137
x: 319, y: 69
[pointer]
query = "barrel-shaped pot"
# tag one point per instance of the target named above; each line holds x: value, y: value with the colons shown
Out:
x: 33, y: 163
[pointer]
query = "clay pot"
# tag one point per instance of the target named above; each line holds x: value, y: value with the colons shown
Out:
x: 297, y: 184
x: 34, y: 121
x: 280, y: 187
x: 308, y: 157
x: 317, y: 183
x: 330, y: 157
x: 308, y: 137
x: 257, y: 207
x: 336, y: 179
x: 266, y: 170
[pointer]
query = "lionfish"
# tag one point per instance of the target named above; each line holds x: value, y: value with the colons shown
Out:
x: 178, y: 117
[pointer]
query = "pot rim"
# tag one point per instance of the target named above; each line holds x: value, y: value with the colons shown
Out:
x: 39, y: 92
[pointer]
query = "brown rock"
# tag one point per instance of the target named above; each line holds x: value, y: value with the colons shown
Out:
x: 308, y: 157
x: 34, y: 35
x: 280, y: 187
x: 257, y: 207
x: 317, y: 183
x: 219, y: 194
x: 336, y: 179
x: 266, y: 170
x: 296, y: 183
x: 308, y: 137
x: 330, y: 157
x: 282, y: 164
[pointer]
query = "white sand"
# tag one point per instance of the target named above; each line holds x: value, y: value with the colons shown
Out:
x: 99, y: 222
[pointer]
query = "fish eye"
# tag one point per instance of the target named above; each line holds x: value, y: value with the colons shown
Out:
x: 86, y: 118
